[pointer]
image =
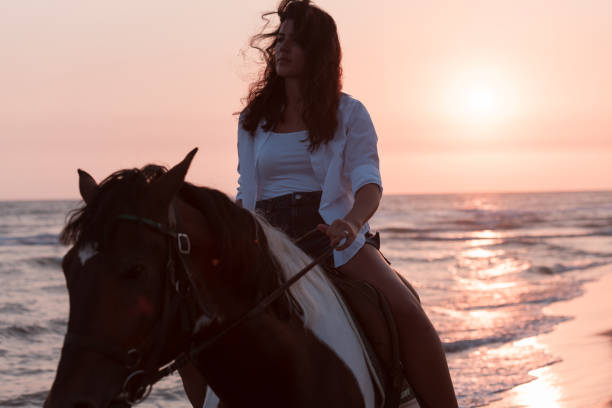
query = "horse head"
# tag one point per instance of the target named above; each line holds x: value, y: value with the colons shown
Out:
x: 124, y: 318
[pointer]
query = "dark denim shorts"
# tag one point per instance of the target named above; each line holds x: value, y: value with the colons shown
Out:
x: 298, y: 214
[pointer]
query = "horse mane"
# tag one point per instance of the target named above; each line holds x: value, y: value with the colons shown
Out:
x: 241, y: 245
x: 94, y: 221
x: 274, y: 259
x: 291, y: 259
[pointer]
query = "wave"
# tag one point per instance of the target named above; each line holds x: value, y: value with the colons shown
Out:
x: 55, y: 289
x: 403, y: 230
x: 423, y: 260
x: 495, y: 224
x: 14, y: 308
x: 475, y: 218
x: 530, y: 239
x: 596, y: 222
x: 46, y: 261
x: 420, y: 237
x: 24, y: 332
x: 40, y: 239
x: 576, y: 252
x: 542, y: 326
x: 561, y: 268
x: 551, y: 293
x: 440, y: 224
x: 58, y: 326
x: 529, y: 299
x: 26, y: 400
x: 461, y: 345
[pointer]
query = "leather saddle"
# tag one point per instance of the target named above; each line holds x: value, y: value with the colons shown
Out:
x: 372, y: 316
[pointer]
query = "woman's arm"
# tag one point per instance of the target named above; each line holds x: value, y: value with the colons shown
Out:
x: 361, y: 168
x: 366, y: 202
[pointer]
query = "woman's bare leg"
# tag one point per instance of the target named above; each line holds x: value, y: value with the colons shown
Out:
x: 421, y: 351
x: 194, y: 385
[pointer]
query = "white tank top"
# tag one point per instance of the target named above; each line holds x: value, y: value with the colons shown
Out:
x: 284, y: 165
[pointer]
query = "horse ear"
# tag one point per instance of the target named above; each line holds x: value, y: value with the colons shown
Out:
x: 87, y: 186
x: 169, y: 184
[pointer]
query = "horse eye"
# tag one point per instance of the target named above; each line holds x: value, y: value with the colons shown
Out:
x: 134, y: 272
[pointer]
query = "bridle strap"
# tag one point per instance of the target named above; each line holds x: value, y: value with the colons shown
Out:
x: 153, y: 377
x: 75, y: 340
x: 153, y: 224
x: 263, y: 304
x: 183, y: 252
x: 184, y: 358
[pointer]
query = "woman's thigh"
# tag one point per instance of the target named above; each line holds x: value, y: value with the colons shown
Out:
x: 370, y: 266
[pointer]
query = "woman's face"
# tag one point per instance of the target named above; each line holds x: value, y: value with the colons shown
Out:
x: 288, y: 55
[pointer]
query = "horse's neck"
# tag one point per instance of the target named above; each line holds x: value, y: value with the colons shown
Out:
x: 277, y: 364
x: 251, y: 359
x: 266, y: 361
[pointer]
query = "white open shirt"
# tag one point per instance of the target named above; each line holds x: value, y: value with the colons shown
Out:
x: 344, y: 165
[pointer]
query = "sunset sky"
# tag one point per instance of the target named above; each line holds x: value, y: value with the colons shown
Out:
x: 466, y: 96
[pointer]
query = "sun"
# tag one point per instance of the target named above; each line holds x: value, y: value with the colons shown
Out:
x: 481, y: 102
x: 479, y: 97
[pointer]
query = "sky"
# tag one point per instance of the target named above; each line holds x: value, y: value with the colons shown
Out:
x: 466, y: 96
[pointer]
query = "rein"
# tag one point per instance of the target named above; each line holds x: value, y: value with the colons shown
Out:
x: 183, y: 247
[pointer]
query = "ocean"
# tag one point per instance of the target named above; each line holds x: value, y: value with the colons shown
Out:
x: 485, y: 266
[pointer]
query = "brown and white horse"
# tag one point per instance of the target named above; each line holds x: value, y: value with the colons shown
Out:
x: 160, y: 268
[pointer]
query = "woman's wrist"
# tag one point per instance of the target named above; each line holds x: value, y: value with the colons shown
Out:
x: 354, y: 222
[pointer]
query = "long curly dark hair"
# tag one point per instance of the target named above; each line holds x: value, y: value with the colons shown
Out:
x: 315, y: 31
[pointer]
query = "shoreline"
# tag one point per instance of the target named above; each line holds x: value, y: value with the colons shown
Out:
x: 583, y: 377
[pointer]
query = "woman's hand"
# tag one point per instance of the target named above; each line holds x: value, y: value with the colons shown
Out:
x: 339, y: 230
x: 366, y: 202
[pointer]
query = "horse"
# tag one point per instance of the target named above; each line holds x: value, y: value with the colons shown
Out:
x: 165, y: 274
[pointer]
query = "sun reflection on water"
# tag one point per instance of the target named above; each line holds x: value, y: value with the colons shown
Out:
x: 484, y: 242
x: 541, y: 391
x: 481, y: 286
x: 490, y: 306
x: 480, y: 253
x: 486, y: 317
x: 483, y: 264
x: 487, y: 234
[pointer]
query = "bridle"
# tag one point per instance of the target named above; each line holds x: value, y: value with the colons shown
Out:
x: 175, y: 301
x: 139, y: 382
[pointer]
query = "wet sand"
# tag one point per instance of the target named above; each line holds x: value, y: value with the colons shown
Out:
x: 583, y: 377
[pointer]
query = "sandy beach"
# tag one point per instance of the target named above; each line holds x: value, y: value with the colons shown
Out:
x: 583, y: 376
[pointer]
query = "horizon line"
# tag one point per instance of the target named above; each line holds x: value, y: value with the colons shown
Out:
x: 502, y: 192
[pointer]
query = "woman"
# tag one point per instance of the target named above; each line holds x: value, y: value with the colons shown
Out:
x: 308, y: 158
